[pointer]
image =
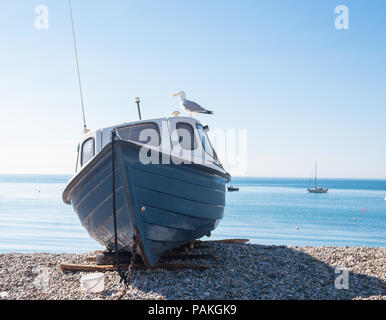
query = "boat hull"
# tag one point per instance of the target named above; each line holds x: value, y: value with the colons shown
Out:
x: 167, y: 205
x: 317, y: 190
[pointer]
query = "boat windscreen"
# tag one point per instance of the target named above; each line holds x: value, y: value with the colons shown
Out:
x: 186, y: 136
x: 146, y: 133
x: 88, y: 150
x: 205, y: 141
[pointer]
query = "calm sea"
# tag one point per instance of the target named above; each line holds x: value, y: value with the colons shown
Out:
x: 33, y: 217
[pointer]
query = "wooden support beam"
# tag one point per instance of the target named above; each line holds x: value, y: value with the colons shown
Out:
x: 172, y: 254
x: 90, y: 258
x: 171, y: 257
x: 88, y: 268
x: 199, y: 244
x: 94, y: 267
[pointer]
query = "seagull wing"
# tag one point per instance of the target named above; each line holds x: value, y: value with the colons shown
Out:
x: 193, y: 107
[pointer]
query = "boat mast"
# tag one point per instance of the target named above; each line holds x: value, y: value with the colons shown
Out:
x: 315, y: 173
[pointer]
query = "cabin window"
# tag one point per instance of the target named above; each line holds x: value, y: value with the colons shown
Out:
x: 146, y: 133
x: 186, y: 136
x: 88, y: 150
x: 205, y: 141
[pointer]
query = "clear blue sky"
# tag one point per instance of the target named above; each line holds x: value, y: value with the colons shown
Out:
x: 279, y: 68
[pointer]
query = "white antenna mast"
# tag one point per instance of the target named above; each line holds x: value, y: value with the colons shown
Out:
x: 85, y: 129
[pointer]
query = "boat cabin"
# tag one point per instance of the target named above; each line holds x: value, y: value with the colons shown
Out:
x: 167, y: 135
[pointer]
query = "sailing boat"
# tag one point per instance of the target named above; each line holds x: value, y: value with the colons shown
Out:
x: 317, y: 189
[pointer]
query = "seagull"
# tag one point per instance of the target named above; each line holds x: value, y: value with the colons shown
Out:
x: 190, y: 106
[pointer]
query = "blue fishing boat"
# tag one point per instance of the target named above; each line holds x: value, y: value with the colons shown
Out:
x: 169, y: 185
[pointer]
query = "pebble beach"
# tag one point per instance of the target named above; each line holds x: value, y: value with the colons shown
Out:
x: 245, y: 271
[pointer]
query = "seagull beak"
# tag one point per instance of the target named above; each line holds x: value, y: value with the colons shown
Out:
x: 175, y: 95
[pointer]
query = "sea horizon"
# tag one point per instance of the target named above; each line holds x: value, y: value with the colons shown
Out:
x: 69, y: 175
x: 267, y: 211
